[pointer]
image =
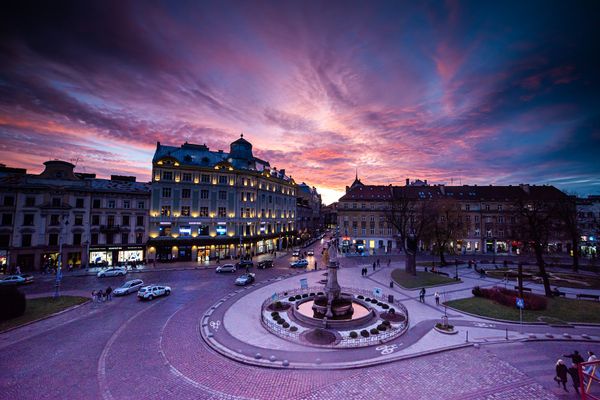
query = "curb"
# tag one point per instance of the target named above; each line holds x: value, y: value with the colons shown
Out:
x: 46, y: 317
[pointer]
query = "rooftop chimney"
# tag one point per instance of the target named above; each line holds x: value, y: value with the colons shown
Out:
x: 407, y: 181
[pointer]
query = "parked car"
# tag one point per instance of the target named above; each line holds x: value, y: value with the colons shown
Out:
x: 244, y: 264
x: 245, y: 279
x: 116, y: 271
x: 12, y: 280
x: 226, y: 268
x: 129, y: 287
x: 264, y: 264
x: 151, y: 291
x: 296, y: 253
x: 310, y: 252
x: 299, y: 264
x: 28, y: 278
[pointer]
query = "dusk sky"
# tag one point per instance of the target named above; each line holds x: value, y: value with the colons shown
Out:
x: 478, y: 92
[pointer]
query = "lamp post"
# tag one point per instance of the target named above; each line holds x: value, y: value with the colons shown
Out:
x: 58, y: 269
x: 87, y: 254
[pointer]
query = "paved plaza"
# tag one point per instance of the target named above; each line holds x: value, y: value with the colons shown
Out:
x: 131, y: 349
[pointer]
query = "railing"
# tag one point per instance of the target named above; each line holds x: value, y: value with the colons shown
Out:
x: 588, y: 372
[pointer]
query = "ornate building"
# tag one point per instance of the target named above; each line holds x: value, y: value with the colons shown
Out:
x: 208, y: 204
x: 96, y: 220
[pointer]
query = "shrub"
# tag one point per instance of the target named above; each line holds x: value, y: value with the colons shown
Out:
x: 392, y: 310
x: 507, y: 297
x: 13, y: 303
x: 293, y: 329
x: 367, y: 299
x: 385, y: 306
x: 312, y: 295
x: 476, y: 291
x: 386, y: 323
x: 320, y: 293
x: 277, y: 304
x: 360, y: 296
x: 292, y: 298
x: 374, y: 331
x: 304, y: 296
x: 445, y: 328
x: 285, y: 325
x: 280, y: 321
x: 297, y: 297
x: 381, y: 327
x: 364, y: 333
x: 374, y: 301
x: 380, y: 304
x: 353, y: 335
x: 274, y: 314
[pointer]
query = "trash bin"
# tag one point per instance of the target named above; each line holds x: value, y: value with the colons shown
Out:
x: 390, y: 298
x: 391, y: 284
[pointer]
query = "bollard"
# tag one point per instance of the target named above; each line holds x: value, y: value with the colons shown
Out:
x: 391, y: 284
x: 506, y: 329
x: 467, y: 339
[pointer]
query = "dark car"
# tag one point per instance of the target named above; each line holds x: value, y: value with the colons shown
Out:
x: 264, y: 264
x: 244, y: 264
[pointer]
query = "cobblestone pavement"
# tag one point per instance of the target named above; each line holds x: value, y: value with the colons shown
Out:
x: 130, y: 349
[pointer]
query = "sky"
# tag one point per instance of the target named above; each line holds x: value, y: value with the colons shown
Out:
x: 455, y: 92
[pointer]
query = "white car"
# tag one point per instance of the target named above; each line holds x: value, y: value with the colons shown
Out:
x: 12, y: 280
x: 225, y: 268
x: 310, y: 253
x: 128, y: 287
x: 117, y: 271
x: 296, y: 253
x: 300, y: 263
x: 151, y: 291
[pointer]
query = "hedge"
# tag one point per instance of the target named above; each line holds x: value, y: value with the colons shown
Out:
x: 507, y: 297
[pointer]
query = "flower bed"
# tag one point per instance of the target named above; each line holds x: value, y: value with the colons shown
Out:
x: 508, y: 297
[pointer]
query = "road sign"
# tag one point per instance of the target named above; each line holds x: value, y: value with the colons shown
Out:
x: 274, y: 296
x: 377, y: 292
x: 303, y: 283
x: 520, y: 303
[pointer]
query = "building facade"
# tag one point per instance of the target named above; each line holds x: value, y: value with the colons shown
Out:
x: 213, y: 204
x: 588, y: 222
x: 93, y: 221
x: 488, y: 221
x: 308, y: 207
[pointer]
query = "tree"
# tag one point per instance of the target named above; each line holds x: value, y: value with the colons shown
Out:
x: 566, y: 212
x: 409, y: 211
x: 537, y: 220
x: 446, y: 225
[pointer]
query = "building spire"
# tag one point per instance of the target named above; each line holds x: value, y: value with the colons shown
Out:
x: 242, y: 134
x: 356, y: 173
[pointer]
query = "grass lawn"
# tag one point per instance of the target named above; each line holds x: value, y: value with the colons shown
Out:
x: 559, y: 309
x: 560, y: 279
x: 41, y: 307
x: 409, y: 281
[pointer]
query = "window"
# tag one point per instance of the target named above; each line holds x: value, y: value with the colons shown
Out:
x: 222, y: 212
x: 203, y: 230
x: 139, y: 238
x: 125, y: 220
x: 9, y: 200
x: 110, y: 220
x: 476, y: 219
x: 110, y: 238
x: 489, y: 233
x: 112, y: 203
x: 476, y: 231
x: 77, y: 238
x: 205, y: 178
x: 167, y: 176
x: 372, y: 230
x: 185, y: 211
x: 487, y: 207
x: 54, y: 219
x: 186, y: 193
x: 165, y: 211
x: 204, y: 211
x: 139, y: 220
x: 222, y: 179
x: 126, y: 204
x: 56, y: 202
x: 204, y: 194
x: 166, y: 192
x: 501, y: 220
x: 141, y: 205
x: 30, y: 201
x: 28, y: 219
x: 467, y: 207
x: 53, y: 239
x: 124, y: 238
x: 499, y: 207
x: 222, y: 195
x: 96, y: 203
x: 270, y: 199
x: 6, y: 219
x: 94, y: 238
x: 78, y: 220
x: 26, y: 240
x: 95, y: 220
x: 79, y: 203
x: 4, y: 240
x: 186, y: 177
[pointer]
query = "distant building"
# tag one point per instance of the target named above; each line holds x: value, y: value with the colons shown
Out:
x: 308, y: 206
x: 210, y: 204
x: 588, y: 221
x: 99, y: 221
x: 330, y: 216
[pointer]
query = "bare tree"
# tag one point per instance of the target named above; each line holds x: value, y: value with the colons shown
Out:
x: 446, y: 226
x: 410, y: 213
x: 566, y: 212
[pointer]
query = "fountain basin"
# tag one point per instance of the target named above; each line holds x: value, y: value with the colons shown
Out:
x: 304, y: 312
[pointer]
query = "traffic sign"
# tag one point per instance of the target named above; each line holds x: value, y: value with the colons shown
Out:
x: 303, y: 283
x: 520, y: 303
x: 377, y: 292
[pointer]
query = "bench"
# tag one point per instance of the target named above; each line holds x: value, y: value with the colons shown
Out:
x: 559, y: 293
x: 525, y: 289
x: 440, y: 273
x: 588, y: 296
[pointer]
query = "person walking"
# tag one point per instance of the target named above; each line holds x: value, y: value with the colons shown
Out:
x: 389, y: 262
x: 561, y: 374
x: 575, y: 357
x: 94, y: 296
x: 422, y: 295
x: 109, y: 293
x: 436, y: 295
x: 100, y: 296
x: 574, y: 377
x: 374, y: 264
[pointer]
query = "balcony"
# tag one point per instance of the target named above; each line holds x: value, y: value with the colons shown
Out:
x: 110, y: 228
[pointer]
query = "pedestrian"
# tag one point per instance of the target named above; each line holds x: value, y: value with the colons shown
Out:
x: 422, y: 295
x: 575, y: 357
x: 561, y: 374
x: 18, y: 271
x: 574, y: 377
x: 374, y: 265
x: 109, y: 293
x: 591, y: 369
x: 94, y: 296
x: 389, y: 262
x: 378, y: 265
x: 436, y: 295
x: 100, y: 296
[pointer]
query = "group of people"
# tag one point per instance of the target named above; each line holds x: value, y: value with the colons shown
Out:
x: 562, y: 371
x: 99, y: 296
